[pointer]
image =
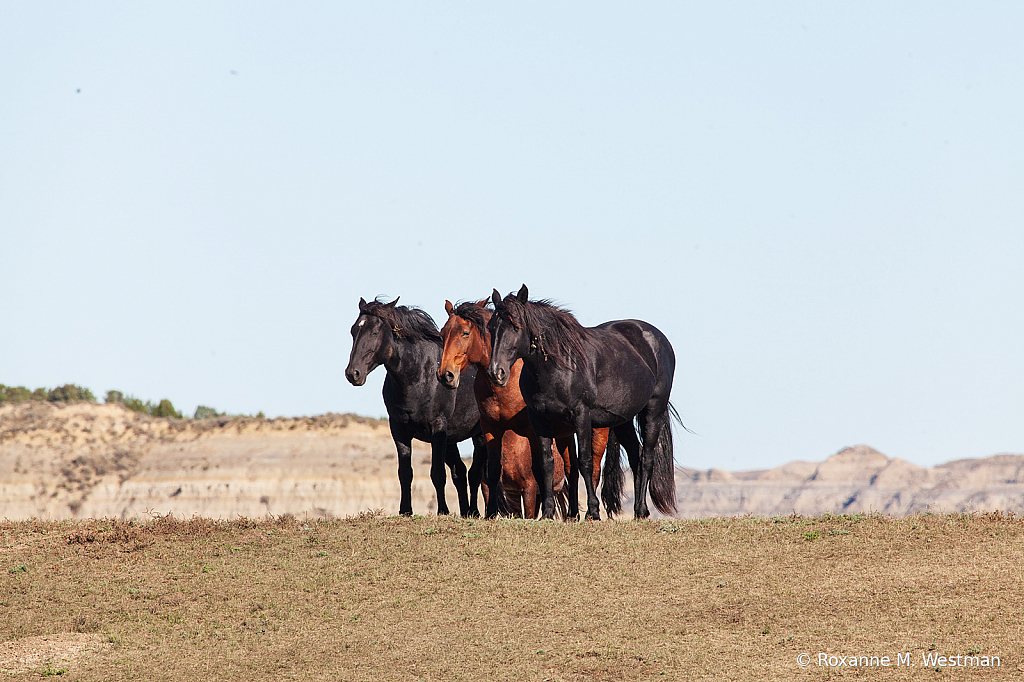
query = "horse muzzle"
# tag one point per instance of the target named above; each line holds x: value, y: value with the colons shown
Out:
x: 448, y: 378
x: 498, y: 376
x: 355, y: 377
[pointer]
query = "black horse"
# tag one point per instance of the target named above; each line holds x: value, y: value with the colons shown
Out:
x: 406, y: 341
x: 602, y: 376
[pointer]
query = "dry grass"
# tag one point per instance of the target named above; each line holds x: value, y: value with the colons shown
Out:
x: 376, y: 598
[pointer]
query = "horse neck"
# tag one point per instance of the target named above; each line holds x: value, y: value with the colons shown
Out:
x: 540, y: 368
x: 406, y: 358
x: 479, y: 351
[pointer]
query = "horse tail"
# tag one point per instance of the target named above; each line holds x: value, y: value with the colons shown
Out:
x: 611, y: 488
x: 663, y: 478
x: 501, y: 501
x: 562, y: 500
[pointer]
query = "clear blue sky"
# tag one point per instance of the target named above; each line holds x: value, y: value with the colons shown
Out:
x: 821, y: 204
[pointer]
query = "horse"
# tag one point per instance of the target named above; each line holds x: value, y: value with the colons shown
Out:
x: 511, y: 442
x: 602, y: 376
x: 406, y: 341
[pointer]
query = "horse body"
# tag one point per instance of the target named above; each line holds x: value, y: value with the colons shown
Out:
x: 596, y: 377
x: 406, y: 341
x: 514, y: 451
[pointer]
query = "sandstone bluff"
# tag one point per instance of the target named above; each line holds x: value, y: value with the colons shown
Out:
x: 90, y: 461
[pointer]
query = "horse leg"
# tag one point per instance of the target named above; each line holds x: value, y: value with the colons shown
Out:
x: 438, y: 453
x: 650, y: 426
x: 404, y: 446
x: 658, y: 462
x: 476, y: 472
x: 542, y: 429
x: 585, y: 436
x: 598, y: 443
x: 494, y: 487
x: 567, y: 451
x: 531, y: 493
x: 458, y: 467
x: 628, y: 439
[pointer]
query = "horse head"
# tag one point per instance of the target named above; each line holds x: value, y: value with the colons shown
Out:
x: 465, y: 340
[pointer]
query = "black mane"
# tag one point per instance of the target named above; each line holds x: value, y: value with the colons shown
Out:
x: 405, y: 321
x: 556, y: 331
x: 476, y: 314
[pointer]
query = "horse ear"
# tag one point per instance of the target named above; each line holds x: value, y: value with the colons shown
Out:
x: 448, y: 307
x: 483, y: 303
x: 496, y: 297
x: 393, y: 303
x: 362, y: 304
x: 523, y: 294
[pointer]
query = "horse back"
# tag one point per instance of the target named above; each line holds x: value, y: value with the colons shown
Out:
x: 647, y: 341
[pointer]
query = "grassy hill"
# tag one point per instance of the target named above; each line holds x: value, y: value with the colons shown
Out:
x: 376, y: 598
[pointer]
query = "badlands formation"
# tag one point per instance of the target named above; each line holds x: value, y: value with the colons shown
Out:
x: 92, y: 461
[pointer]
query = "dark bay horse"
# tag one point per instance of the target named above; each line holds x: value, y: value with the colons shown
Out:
x: 513, y: 451
x: 406, y: 341
x: 602, y: 376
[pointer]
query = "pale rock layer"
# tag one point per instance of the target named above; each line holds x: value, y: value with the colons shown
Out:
x: 93, y: 461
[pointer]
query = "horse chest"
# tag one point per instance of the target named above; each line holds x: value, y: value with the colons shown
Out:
x: 550, y: 406
x: 416, y: 406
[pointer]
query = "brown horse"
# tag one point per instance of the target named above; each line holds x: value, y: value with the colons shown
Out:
x: 511, y: 443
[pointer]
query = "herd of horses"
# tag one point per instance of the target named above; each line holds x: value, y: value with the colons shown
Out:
x: 527, y: 383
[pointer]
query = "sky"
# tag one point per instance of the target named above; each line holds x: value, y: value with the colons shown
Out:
x: 820, y: 204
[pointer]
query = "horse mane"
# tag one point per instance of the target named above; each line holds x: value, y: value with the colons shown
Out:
x: 556, y: 330
x: 475, y: 314
x: 406, y: 322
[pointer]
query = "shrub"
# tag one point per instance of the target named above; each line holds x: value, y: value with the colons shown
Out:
x: 165, y: 409
x: 14, y: 394
x: 162, y: 409
x: 62, y: 394
x: 136, y: 405
x: 70, y: 393
x: 204, y: 412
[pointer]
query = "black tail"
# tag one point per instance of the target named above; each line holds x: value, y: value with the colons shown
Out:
x: 562, y: 502
x: 663, y: 479
x: 502, y: 507
x: 611, y: 489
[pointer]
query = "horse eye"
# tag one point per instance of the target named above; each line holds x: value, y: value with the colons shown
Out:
x: 465, y: 334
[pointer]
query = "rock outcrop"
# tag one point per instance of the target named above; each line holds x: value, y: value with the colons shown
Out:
x: 854, y: 480
x: 90, y: 461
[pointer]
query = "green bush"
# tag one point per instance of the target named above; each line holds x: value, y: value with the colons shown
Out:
x: 74, y: 393
x: 70, y: 393
x: 62, y: 394
x: 165, y: 409
x: 136, y: 405
x: 204, y: 412
x: 14, y: 394
x: 162, y: 409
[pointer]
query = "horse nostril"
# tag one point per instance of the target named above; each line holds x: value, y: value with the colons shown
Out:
x: 449, y: 377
